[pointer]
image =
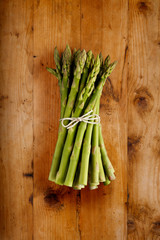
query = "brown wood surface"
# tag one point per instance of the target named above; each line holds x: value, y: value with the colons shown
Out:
x: 144, y: 121
x: 31, y: 207
x: 16, y: 112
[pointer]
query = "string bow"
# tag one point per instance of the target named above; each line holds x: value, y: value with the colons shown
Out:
x: 87, y: 118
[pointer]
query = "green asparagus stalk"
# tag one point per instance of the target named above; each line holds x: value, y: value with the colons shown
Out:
x: 66, y: 66
x: 85, y: 94
x: 101, y: 170
x: 86, y: 148
x: 73, y: 63
x: 76, y: 184
x: 92, y: 62
x: 85, y: 72
x: 56, y: 72
x: 97, y: 171
x: 80, y: 61
x: 92, y: 186
x: 74, y: 52
x: 106, y: 162
x: 107, y: 182
x: 104, y: 65
x: 106, y: 62
x: 102, y: 177
x: 82, y: 127
x: 75, y: 56
x: 94, y: 153
x: 101, y: 59
x: 58, y: 66
x: 83, y: 178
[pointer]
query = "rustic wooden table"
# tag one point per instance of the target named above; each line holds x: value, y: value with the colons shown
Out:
x: 31, y: 206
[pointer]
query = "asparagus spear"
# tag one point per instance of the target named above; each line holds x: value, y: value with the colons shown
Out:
x: 58, y: 66
x: 65, y: 71
x: 86, y: 148
x: 101, y: 170
x: 75, y: 56
x: 86, y: 92
x: 85, y: 158
x: 74, y: 52
x: 73, y: 63
x: 76, y: 184
x: 102, y: 177
x: 101, y: 59
x: 92, y: 62
x: 97, y: 172
x: 80, y: 61
x: 106, y: 61
x: 66, y: 65
x: 107, y: 182
x: 57, y: 72
x: 74, y: 60
x: 106, y: 162
x: 85, y: 72
x: 82, y: 127
x: 94, y: 153
x: 92, y: 186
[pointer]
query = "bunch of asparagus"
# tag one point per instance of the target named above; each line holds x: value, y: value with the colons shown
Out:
x: 80, y: 156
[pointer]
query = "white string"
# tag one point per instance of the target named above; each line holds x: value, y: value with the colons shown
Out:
x: 87, y: 118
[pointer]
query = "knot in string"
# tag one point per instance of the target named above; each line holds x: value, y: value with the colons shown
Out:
x: 87, y: 118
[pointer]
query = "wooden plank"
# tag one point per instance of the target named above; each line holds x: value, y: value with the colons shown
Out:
x: 16, y: 112
x: 56, y: 23
x: 143, y: 120
x: 103, y: 212
x: 59, y: 212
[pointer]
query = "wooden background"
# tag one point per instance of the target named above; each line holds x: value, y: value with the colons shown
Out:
x: 31, y: 207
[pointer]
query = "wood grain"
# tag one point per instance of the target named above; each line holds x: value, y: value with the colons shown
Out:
x: 31, y: 207
x: 106, y: 205
x: 55, y: 214
x: 16, y: 112
x: 143, y: 120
